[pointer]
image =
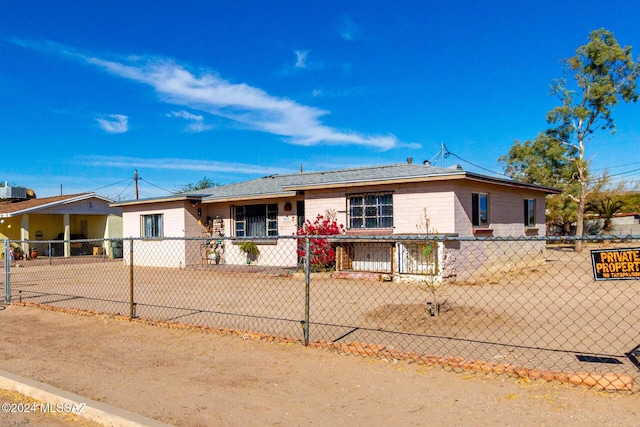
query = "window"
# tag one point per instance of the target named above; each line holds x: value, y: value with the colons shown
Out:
x: 480, y: 210
x: 256, y: 220
x: 151, y: 226
x: 372, y: 210
x: 529, y: 212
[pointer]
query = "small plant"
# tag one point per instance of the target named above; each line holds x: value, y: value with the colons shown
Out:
x: 424, y: 226
x: 431, y: 285
x: 429, y: 254
x: 251, y: 250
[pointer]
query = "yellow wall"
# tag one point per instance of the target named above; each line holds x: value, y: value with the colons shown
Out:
x: 10, y: 228
x: 52, y: 225
x: 49, y: 225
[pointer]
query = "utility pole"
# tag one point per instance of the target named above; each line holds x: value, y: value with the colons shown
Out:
x: 135, y: 178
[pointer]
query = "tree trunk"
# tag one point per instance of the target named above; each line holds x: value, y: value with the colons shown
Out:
x: 580, y: 216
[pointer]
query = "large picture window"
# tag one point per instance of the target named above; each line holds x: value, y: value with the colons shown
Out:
x: 256, y: 220
x: 151, y: 226
x: 371, y: 210
x: 529, y: 212
x: 480, y: 210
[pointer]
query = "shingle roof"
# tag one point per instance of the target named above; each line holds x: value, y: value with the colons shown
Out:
x: 8, y: 208
x: 286, y: 184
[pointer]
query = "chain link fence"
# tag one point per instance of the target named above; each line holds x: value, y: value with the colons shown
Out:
x: 532, y: 307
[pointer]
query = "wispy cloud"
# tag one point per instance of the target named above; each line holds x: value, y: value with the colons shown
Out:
x: 113, y: 123
x: 301, y: 58
x: 299, y: 124
x: 303, y: 61
x: 252, y: 107
x: 186, y: 115
x: 196, y: 124
x: 178, y: 164
x: 348, y: 29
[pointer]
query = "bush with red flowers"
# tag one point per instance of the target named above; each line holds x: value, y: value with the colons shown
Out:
x: 322, y: 252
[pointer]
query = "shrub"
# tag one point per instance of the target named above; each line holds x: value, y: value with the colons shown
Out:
x: 322, y: 252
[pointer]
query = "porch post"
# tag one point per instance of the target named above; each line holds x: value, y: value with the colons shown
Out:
x: 24, y: 234
x: 67, y: 236
x: 7, y: 266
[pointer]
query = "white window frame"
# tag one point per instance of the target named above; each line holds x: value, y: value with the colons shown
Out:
x: 271, y: 220
x: 152, y: 226
x: 368, y: 213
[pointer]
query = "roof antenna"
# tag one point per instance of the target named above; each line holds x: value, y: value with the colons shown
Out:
x: 300, y: 167
x: 442, y: 153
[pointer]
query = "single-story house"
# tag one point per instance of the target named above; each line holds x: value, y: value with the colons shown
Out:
x: 67, y: 217
x: 624, y: 224
x: 388, y: 200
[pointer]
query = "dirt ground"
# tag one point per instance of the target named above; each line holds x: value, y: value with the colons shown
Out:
x: 538, y: 318
x: 189, y: 378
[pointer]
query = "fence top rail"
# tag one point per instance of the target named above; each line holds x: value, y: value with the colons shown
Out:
x: 337, y: 238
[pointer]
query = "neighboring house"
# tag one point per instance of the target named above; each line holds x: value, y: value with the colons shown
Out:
x: 622, y: 224
x: 387, y: 200
x: 625, y: 223
x: 71, y: 217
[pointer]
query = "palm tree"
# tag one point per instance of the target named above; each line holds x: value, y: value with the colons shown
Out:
x: 605, y: 208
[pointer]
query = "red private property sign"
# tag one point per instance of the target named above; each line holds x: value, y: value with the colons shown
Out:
x: 616, y: 264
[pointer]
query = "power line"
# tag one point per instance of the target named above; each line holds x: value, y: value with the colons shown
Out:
x: 130, y: 183
x: 110, y: 185
x: 624, y: 173
x: 618, y: 166
x: 164, y: 189
x: 447, y: 153
x: 125, y: 188
x: 477, y: 166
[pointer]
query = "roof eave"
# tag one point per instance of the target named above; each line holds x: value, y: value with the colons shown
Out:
x: 52, y: 204
x: 243, y: 197
x: 426, y: 178
x: 483, y: 178
x: 361, y: 183
x: 183, y: 198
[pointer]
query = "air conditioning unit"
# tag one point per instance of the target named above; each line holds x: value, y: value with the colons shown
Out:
x: 13, y: 193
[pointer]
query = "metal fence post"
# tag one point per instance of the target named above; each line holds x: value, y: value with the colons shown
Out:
x: 132, y: 308
x: 307, y: 281
x: 7, y: 266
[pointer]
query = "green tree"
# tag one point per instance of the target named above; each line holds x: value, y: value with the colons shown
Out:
x: 631, y: 202
x: 200, y: 185
x: 604, y: 74
x: 545, y: 161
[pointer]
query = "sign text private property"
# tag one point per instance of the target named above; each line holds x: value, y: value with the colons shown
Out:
x: 614, y: 264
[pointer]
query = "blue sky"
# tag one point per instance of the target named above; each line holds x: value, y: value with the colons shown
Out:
x: 233, y: 90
